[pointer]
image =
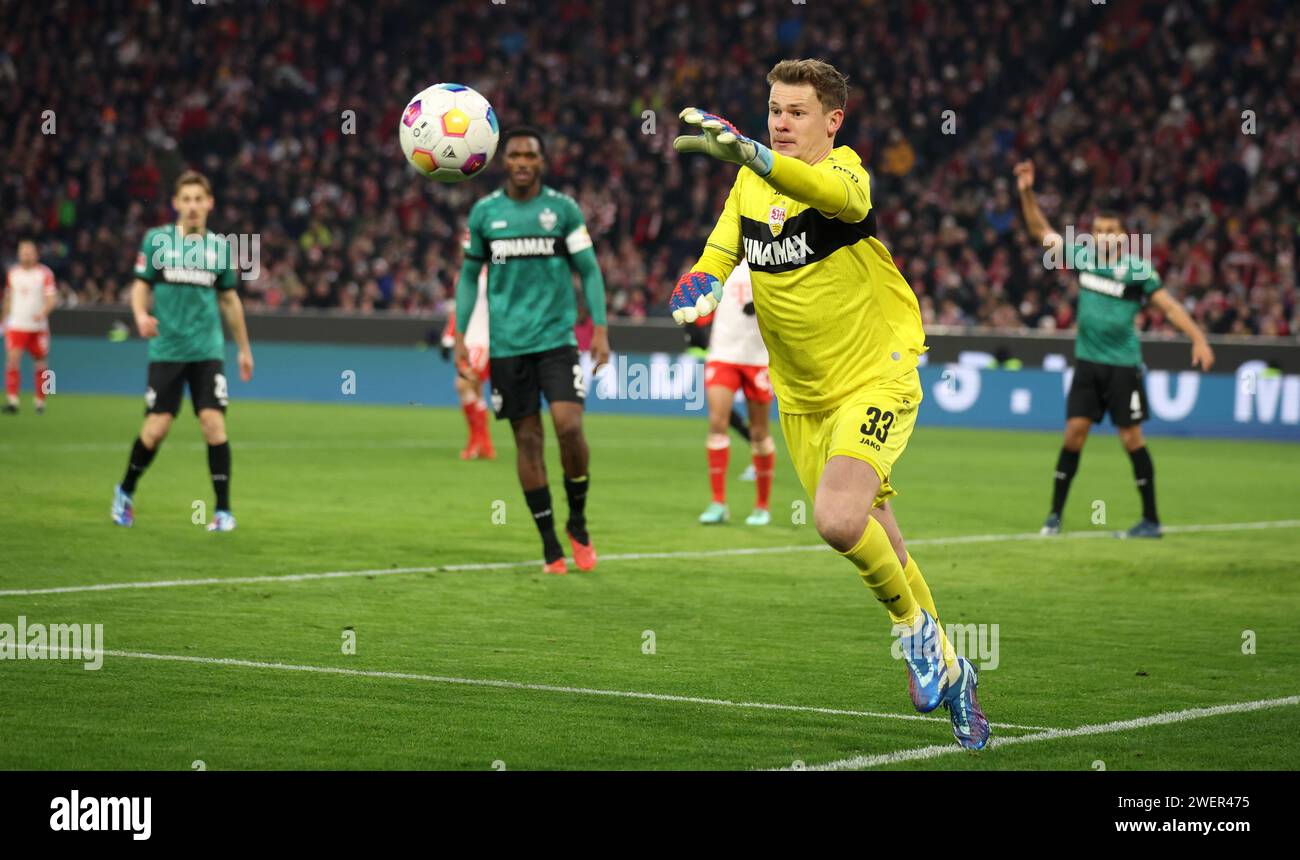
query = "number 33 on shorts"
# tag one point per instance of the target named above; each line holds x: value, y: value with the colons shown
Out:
x: 874, y: 427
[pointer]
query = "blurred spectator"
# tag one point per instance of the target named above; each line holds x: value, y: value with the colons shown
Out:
x: 1133, y: 104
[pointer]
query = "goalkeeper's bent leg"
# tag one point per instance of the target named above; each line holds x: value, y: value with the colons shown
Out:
x: 884, y: 514
x: 874, y: 557
x: 877, y: 564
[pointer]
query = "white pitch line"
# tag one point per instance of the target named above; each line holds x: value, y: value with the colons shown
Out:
x: 542, y: 688
x: 925, y: 753
x: 633, y: 556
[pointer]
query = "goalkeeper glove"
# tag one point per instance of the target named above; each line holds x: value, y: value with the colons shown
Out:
x: 723, y: 141
x: 696, y: 295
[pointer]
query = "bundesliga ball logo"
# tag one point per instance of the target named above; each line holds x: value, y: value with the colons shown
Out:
x: 449, y: 132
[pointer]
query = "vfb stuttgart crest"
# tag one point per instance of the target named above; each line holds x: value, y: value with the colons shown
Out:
x: 776, y: 220
x: 547, y: 219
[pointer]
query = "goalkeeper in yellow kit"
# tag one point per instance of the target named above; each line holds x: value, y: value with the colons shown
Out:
x: 843, y: 332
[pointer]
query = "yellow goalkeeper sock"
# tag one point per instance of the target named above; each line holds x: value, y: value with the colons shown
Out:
x: 880, y: 571
x: 920, y: 588
x: 921, y: 591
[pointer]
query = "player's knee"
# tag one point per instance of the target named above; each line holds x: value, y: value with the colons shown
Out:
x: 155, y: 430
x: 529, y: 442
x: 569, y: 434
x: 213, y: 425
x: 1131, y: 438
x: 840, y: 530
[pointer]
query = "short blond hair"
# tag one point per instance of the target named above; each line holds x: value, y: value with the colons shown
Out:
x: 192, y: 177
x: 831, y: 85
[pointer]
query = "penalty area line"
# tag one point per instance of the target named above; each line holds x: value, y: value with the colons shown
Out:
x: 955, y: 540
x: 541, y: 688
x: 863, y: 762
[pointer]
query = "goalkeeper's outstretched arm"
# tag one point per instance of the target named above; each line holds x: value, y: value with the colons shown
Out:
x: 839, y: 193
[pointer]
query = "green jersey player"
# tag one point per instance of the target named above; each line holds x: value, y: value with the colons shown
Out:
x: 185, y: 281
x: 532, y: 238
x: 1108, y: 356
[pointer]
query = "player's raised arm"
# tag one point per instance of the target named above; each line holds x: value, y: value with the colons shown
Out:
x: 1035, y: 221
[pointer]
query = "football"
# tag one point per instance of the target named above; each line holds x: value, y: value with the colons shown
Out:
x: 449, y: 132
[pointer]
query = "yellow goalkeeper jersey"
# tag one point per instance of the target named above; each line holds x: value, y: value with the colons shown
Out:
x: 836, y: 314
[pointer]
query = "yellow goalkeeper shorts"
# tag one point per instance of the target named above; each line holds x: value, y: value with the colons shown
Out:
x: 873, y: 425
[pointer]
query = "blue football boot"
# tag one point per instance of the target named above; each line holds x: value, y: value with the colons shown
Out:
x: 1144, y: 529
x: 969, y: 725
x: 123, y: 512
x: 925, y: 667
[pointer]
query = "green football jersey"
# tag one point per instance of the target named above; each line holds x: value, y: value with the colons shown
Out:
x: 528, y: 247
x: 1109, y: 299
x: 186, y: 272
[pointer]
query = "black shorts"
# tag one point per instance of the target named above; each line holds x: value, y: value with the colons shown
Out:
x: 1101, y: 388
x: 519, y: 381
x: 167, y: 381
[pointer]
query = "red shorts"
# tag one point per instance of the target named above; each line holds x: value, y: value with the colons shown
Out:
x: 478, y: 363
x: 36, y: 343
x: 751, y: 378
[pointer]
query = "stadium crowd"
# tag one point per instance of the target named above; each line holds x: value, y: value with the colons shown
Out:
x: 1181, y: 115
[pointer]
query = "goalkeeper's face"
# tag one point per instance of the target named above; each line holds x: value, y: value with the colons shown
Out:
x: 797, y: 123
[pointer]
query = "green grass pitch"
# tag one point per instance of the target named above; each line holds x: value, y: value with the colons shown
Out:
x: 1091, y: 630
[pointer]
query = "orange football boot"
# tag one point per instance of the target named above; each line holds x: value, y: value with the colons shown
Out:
x: 584, y: 554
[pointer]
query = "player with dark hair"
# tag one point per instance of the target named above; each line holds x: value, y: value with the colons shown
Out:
x: 185, y: 281
x: 1113, y: 284
x: 532, y: 238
